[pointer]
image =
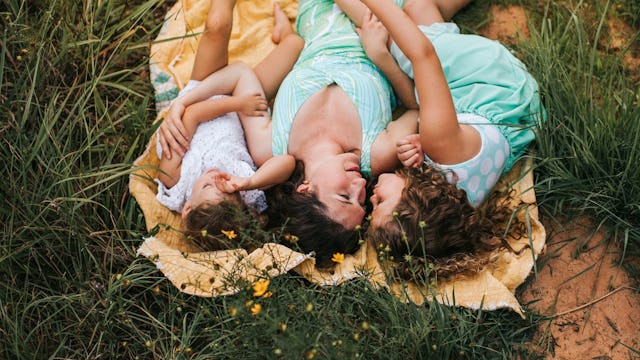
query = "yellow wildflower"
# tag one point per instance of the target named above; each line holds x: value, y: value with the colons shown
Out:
x: 255, y: 309
x: 260, y: 287
x: 291, y: 238
x: 337, y: 258
x: 230, y: 234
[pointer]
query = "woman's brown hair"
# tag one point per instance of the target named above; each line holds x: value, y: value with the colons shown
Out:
x: 302, y: 217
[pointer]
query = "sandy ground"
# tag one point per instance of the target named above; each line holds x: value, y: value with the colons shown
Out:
x: 592, y: 304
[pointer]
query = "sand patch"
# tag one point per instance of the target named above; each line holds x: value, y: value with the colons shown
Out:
x: 594, y: 305
x: 620, y: 39
x: 509, y: 25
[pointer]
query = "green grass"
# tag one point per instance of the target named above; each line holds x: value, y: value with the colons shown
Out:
x: 589, y: 148
x: 75, y: 111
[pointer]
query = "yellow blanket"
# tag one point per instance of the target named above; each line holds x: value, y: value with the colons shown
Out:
x: 218, y: 273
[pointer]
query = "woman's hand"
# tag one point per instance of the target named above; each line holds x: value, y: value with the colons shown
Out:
x: 253, y: 105
x: 373, y: 35
x: 229, y: 183
x: 409, y: 151
x: 173, y: 134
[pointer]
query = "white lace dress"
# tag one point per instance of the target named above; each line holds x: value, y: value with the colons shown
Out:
x: 216, y: 144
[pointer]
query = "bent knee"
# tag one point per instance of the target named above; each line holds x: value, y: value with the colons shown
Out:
x: 218, y: 25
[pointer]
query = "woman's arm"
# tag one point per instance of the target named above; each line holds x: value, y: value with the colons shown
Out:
x: 384, y: 156
x: 170, y: 166
x: 441, y: 137
x: 266, y: 78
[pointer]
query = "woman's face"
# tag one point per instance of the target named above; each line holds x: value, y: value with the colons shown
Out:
x: 338, y: 184
x: 385, y: 198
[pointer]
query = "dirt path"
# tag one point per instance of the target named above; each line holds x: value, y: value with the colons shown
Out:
x: 593, y: 303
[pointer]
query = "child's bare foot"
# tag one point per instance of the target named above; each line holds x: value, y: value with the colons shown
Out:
x: 282, y: 26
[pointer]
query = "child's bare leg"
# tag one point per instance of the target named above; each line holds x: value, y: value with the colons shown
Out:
x: 281, y: 25
x: 427, y: 12
x: 354, y: 9
x: 277, y: 64
x: 213, y: 47
x: 423, y: 12
x: 448, y: 8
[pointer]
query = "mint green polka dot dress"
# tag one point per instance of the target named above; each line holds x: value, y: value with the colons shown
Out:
x: 490, y: 83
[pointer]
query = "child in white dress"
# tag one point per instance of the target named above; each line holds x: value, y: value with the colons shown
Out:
x: 215, y: 183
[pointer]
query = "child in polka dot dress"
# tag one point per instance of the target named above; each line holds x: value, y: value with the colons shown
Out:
x: 477, y: 107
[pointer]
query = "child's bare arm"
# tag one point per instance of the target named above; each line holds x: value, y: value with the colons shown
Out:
x: 203, y: 111
x: 374, y: 37
x: 409, y: 151
x: 172, y: 131
x: 442, y: 138
x: 384, y: 149
x: 250, y: 104
x: 274, y: 171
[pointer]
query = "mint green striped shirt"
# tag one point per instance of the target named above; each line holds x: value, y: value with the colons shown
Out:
x: 332, y: 54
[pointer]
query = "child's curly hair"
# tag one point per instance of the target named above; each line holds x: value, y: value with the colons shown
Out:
x: 212, y: 227
x: 434, y: 223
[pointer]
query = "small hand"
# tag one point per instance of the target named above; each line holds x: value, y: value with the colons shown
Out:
x: 172, y: 132
x: 253, y: 105
x: 409, y: 151
x: 230, y: 183
x: 373, y: 35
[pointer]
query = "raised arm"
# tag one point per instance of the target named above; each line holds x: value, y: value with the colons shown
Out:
x: 374, y: 37
x: 441, y: 137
